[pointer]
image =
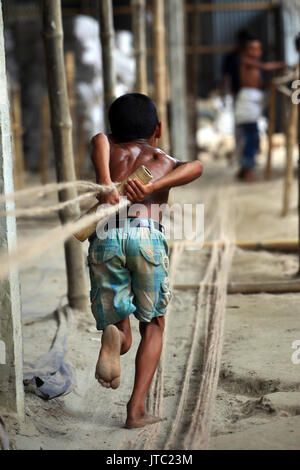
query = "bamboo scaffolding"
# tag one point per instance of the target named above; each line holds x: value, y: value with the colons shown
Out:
x: 18, y: 137
x: 82, y: 148
x: 271, y: 130
x: 140, y: 50
x: 70, y: 77
x: 45, y: 143
x: 61, y: 125
x: 11, y: 342
x: 194, y: 82
x: 177, y: 67
x: 127, y: 9
x: 298, y: 72
x: 160, y: 69
x: 291, y: 138
x: 107, y: 37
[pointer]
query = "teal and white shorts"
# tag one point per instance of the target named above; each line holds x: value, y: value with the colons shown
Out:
x: 129, y: 274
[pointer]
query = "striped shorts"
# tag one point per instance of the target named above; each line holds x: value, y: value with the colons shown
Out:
x: 129, y: 274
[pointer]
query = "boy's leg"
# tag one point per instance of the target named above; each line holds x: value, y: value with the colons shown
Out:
x: 147, y: 359
x: 116, y: 341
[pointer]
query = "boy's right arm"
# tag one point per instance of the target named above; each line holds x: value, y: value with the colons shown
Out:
x: 100, y: 159
x: 266, y: 66
x: 182, y: 173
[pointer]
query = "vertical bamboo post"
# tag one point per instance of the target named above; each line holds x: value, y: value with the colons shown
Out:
x: 61, y: 125
x: 291, y: 138
x: 176, y: 36
x: 81, y: 148
x: 298, y: 136
x: 18, y: 137
x: 271, y: 130
x: 70, y: 77
x: 139, y: 34
x: 160, y: 70
x: 45, y: 143
x: 11, y: 352
x: 194, y: 82
x: 107, y: 37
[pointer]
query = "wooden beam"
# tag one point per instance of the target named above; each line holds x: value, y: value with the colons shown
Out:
x: 160, y: 69
x: 177, y: 68
x: 107, y: 37
x: 140, y: 47
x: 286, y: 246
x: 11, y: 350
x: 61, y: 125
x: 45, y: 169
x: 271, y: 130
x: 291, y: 139
x: 23, y: 13
x: 230, y: 6
x: 276, y: 287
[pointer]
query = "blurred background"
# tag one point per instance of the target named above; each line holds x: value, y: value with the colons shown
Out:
x: 211, y: 28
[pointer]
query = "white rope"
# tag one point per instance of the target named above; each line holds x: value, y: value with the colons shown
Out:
x: 31, y: 250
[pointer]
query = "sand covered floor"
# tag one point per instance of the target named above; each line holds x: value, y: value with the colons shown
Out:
x: 258, y: 398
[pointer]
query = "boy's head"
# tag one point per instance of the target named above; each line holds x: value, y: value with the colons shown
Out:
x: 242, y: 37
x: 253, y: 48
x: 133, y: 116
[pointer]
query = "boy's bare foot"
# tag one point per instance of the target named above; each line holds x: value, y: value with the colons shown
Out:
x: 141, y: 421
x: 240, y: 174
x: 108, y: 368
x: 249, y: 176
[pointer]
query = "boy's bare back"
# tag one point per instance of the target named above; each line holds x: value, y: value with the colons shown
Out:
x: 125, y: 158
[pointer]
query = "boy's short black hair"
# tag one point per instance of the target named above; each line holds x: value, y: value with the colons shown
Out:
x: 133, y: 116
x: 251, y: 38
x: 242, y: 37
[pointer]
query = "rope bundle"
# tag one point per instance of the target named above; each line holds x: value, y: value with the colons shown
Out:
x: 25, y: 252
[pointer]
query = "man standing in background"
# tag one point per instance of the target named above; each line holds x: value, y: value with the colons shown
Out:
x: 249, y: 104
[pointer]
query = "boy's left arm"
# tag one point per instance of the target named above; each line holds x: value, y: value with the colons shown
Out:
x: 183, y: 173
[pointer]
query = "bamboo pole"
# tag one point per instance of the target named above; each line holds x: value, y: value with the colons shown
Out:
x: 286, y: 246
x: 140, y: 50
x: 178, y: 105
x: 298, y: 274
x: 160, y: 70
x: 271, y: 130
x: 82, y: 148
x: 291, y: 138
x: 107, y: 37
x: 193, y: 84
x: 70, y: 77
x: 61, y: 125
x: 279, y: 287
x: 45, y: 144
x: 11, y: 352
x: 18, y: 137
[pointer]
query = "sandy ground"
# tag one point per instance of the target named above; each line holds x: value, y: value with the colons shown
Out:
x: 258, y: 399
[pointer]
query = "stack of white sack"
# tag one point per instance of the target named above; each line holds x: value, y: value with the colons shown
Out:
x: 90, y: 88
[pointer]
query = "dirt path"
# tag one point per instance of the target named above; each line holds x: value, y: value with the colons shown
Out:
x: 256, y: 360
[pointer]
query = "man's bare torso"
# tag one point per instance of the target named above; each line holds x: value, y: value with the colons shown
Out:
x: 250, y: 77
x: 125, y: 158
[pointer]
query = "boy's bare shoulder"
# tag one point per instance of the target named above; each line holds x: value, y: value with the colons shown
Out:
x: 159, y: 154
x: 99, y: 138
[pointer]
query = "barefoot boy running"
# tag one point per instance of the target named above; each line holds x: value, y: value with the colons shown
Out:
x: 129, y: 268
